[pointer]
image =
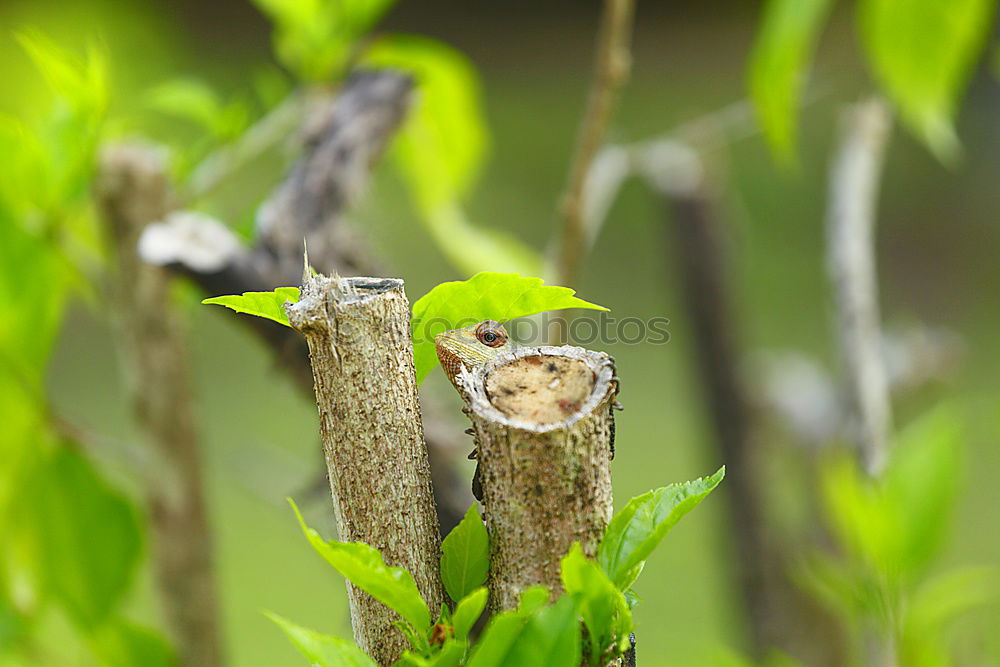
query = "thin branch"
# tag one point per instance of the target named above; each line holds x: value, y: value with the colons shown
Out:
x: 610, y: 73
x: 271, y: 130
x: 132, y: 191
x: 854, y: 181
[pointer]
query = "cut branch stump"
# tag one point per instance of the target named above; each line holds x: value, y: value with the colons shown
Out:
x: 544, y: 431
x: 358, y: 332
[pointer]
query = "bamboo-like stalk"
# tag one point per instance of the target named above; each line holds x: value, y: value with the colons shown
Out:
x: 358, y: 332
x: 544, y: 431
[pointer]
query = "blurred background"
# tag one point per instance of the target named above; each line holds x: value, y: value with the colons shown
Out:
x: 938, y: 275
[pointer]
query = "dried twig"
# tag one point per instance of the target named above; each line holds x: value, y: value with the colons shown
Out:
x: 132, y: 191
x: 854, y: 179
x: 610, y: 72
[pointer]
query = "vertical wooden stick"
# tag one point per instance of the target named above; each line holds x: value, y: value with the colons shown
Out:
x: 358, y: 332
x: 544, y: 431
x: 132, y: 191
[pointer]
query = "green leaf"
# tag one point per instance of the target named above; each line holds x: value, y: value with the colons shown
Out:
x: 496, y: 641
x: 632, y: 598
x: 83, y: 83
x: 364, y: 567
x: 551, y: 637
x: 921, y: 483
x: 320, y: 649
x: 442, y: 145
x: 467, y: 612
x: 190, y: 99
x: 604, y: 609
x: 315, y: 38
x: 449, y: 655
x: 471, y: 248
x: 465, y: 556
x: 532, y: 599
x: 937, y: 604
x: 123, y: 644
x: 440, y: 151
x: 88, y: 537
x: 484, y: 296
x: 892, y: 527
x: 781, y: 53
x: 639, y: 527
x: 262, y: 304
x: 923, y: 53
x: 534, y: 634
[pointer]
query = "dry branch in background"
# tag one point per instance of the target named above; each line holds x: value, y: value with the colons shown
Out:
x: 544, y: 432
x: 343, y: 138
x: 132, y: 191
x: 613, y: 60
x: 854, y: 180
x: 358, y: 332
x: 773, y: 604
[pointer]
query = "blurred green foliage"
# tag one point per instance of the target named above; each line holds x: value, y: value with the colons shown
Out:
x: 888, y: 530
x: 71, y: 541
x: 922, y: 54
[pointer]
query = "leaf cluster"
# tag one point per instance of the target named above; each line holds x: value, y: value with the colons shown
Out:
x: 921, y: 53
x: 591, y: 622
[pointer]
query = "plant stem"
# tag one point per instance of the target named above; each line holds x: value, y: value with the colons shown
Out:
x: 132, y: 191
x: 854, y: 180
x: 358, y: 332
x: 613, y: 61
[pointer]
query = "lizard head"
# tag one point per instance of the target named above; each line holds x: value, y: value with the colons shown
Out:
x: 471, y: 346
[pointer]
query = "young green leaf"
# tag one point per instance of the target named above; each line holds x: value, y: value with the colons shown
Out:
x: 440, y: 150
x: 923, y: 53
x: 322, y: 650
x: 467, y: 612
x: 120, y: 643
x: 484, y: 296
x: 639, y: 527
x: 604, y: 609
x: 449, y: 655
x: 922, y: 481
x: 534, y: 634
x: 441, y: 147
x: 91, y: 540
x: 314, y: 38
x: 465, y: 556
x: 785, y: 43
x: 532, y: 599
x: 190, y: 99
x: 363, y: 566
x: 551, y: 637
x: 268, y: 305
x: 495, y: 643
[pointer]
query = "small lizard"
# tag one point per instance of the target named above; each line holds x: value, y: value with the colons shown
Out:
x: 474, y: 347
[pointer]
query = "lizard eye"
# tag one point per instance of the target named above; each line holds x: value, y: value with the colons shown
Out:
x: 491, y: 334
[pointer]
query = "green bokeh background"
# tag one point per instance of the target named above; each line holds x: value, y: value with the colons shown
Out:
x: 937, y: 241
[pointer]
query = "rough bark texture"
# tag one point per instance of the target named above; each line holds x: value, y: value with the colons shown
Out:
x: 342, y: 139
x: 132, y: 192
x: 544, y: 431
x: 358, y: 332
